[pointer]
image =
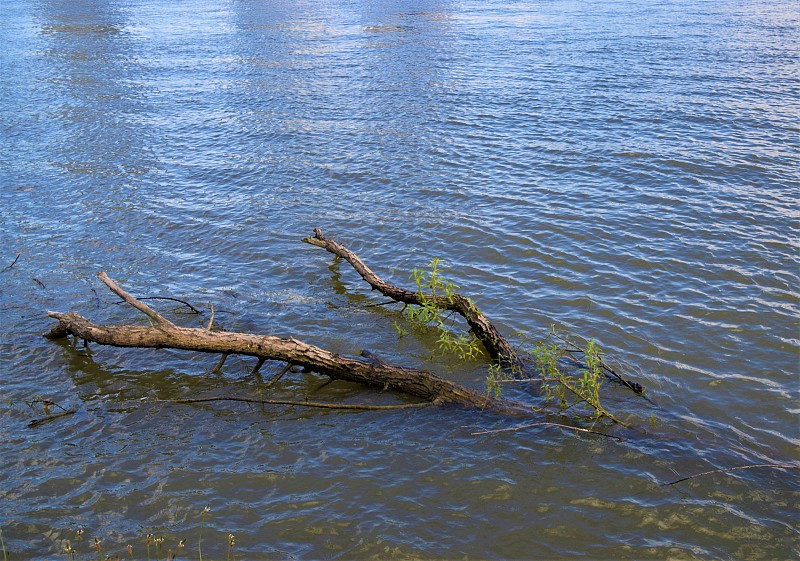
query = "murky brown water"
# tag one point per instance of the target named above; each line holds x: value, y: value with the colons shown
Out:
x: 627, y: 171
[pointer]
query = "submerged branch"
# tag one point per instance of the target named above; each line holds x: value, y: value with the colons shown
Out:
x: 184, y: 302
x: 544, y: 424
x: 14, y: 262
x: 419, y: 383
x: 317, y: 404
x: 633, y: 386
x: 37, y: 422
x: 367, y: 369
x: 726, y: 470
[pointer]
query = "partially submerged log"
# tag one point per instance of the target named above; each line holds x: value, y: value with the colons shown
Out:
x: 163, y: 334
x: 493, y: 341
x: 367, y: 369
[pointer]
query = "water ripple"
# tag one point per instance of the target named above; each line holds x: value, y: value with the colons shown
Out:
x: 628, y: 171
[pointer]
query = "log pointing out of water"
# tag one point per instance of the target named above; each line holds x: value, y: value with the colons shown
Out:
x: 422, y: 384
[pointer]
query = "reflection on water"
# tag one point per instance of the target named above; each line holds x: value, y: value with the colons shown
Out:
x: 627, y: 171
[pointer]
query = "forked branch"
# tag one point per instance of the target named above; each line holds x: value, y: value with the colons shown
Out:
x: 421, y: 384
x: 367, y: 370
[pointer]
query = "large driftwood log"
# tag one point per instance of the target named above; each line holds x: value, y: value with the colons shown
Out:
x: 165, y: 334
x: 495, y: 344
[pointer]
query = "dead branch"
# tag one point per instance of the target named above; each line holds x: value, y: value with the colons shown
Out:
x: 351, y: 406
x: 14, y: 262
x: 726, y: 470
x: 184, y: 302
x: 211, y: 322
x: 37, y: 422
x: 278, y: 376
x: 494, y: 343
x: 571, y: 346
x: 165, y: 334
x: 144, y: 308
x: 543, y: 424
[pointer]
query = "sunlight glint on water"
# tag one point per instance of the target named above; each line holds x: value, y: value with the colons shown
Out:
x: 624, y: 170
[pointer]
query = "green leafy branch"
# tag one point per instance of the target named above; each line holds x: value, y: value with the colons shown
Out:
x: 431, y: 286
x: 568, y: 388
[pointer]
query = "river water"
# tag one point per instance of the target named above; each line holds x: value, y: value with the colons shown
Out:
x: 627, y: 171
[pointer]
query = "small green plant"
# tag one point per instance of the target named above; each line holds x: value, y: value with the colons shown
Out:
x: 173, y: 556
x: 589, y: 383
x: 400, y: 330
x: 546, y: 356
x: 433, y: 290
x: 5, y: 553
x: 568, y: 387
x: 430, y: 284
x: 494, y: 380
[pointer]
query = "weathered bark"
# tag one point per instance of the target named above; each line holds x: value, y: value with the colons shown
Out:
x: 164, y: 334
x: 494, y: 343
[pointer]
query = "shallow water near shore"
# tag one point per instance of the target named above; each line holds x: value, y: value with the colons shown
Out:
x: 625, y: 171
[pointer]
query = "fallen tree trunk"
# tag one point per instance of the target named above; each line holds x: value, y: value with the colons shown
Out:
x: 164, y: 334
x: 493, y: 341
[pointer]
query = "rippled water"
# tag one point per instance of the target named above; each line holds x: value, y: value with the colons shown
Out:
x: 624, y: 170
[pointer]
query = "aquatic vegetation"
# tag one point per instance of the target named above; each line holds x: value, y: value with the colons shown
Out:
x: 435, y: 303
x: 431, y: 284
x: 153, y: 544
x: 571, y: 387
x: 566, y: 386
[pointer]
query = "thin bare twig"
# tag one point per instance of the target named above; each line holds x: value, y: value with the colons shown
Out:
x: 36, y: 422
x: 633, y: 386
x: 12, y: 264
x: 380, y: 304
x: 46, y: 404
x: 279, y: 375
x: 211, y: 321
x: 218, y: 368
x: 259, y: 364
x: 726, y: 470
x: 300, y: 403
x: 529, y: 425
x: 184, y: 302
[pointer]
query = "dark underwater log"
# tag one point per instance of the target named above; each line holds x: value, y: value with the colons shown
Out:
x: 163, y: 334
x: 495, y: 344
